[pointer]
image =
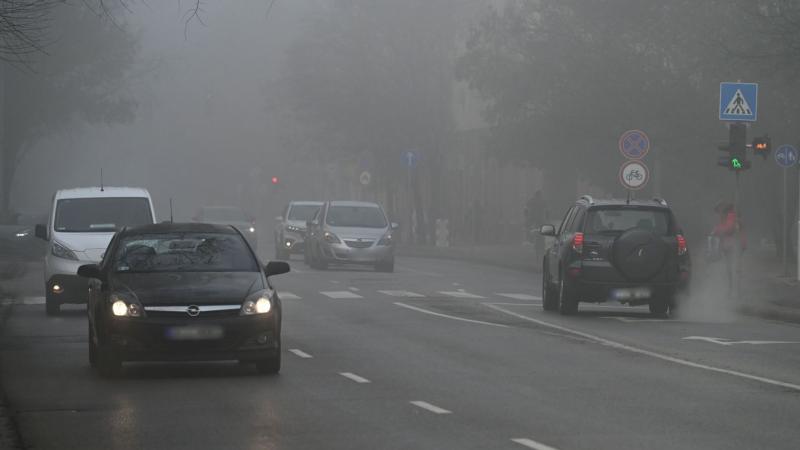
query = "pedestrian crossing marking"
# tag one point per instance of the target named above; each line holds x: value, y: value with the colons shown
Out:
x: 23, y: 301
x: 407, y: 294
x: 340, y: 294
x: 519, y: 296
x: 738, y: 105
x: 460, y: 294
x: 288, y: 296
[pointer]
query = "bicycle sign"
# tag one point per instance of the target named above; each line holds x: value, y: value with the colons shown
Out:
x: 634, y: 175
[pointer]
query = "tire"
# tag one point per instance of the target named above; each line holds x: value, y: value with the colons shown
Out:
x: 51, y: 307
x: 385, y: 266
x: 92, y: 348
x: 549, y: 299
x: 567, y: 303
x: 108, y: 364
x: 659, y: 308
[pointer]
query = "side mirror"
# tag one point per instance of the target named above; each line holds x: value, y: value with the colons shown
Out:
x: 547, y: 230
x: 276, y: 268
x: 90, y: 271
x: 395, y: 225
x: 41, y: 232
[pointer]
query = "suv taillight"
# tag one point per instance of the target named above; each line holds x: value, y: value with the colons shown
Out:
x: 577, y: 242
x: 682, y: 249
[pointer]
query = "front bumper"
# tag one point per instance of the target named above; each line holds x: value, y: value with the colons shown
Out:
x: 342, y: 253
x: 62, y: 283
x: 294, y: 242
x: 245, y: 338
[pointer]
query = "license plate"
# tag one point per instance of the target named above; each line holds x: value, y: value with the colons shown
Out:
x: 631, y: 294
x: 194, y: 333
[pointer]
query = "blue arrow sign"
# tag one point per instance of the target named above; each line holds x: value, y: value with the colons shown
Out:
x: 738, y: 102
x: 786, y: 156
x: 410, y: 158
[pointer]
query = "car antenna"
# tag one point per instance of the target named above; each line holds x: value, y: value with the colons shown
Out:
x: 171, y: 218
x: 101, y: 180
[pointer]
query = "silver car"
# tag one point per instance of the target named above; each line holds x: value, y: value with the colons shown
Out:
x: 290, y: 228
x: 346, y: 232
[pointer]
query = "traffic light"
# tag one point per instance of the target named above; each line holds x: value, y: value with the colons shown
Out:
x: 736, y: 148
x: 275, y: 180
x: 762, y: 146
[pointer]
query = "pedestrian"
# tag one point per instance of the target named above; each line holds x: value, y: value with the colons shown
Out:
x: 732, y: 241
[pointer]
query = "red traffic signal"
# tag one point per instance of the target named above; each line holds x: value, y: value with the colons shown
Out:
x: 275, y: 180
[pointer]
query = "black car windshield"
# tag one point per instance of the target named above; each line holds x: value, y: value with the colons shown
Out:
x: 303, y: 212
x: 224, y: 213
x: 356, y: 216
x: 87, y: 215
x: 620, y: 219
x: 184, y: 252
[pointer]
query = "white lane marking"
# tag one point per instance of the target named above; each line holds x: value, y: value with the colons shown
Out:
x: 525, y: 297
x: 340, y: 294
x: 460, y: 294
x: 513, y: 304
x: 530, y: 443
x: 724, y: 341
x: 300, y: 353
x: 635, y: 320
x: 284, y: 295
x: 354, y: 289
x: 461, y: 319
x: 432, y: 408
x: 408, y: 294
x: 23, y: 301
x: 354, y: 377
x: 456, y: 284
x: 335, y: 281
x: 629, y: 348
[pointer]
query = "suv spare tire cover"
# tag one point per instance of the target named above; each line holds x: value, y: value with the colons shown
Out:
x: 639, y: 254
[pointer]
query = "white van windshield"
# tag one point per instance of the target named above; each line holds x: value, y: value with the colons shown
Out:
x: 101, y: 215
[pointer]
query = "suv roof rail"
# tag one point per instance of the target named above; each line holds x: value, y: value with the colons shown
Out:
x: 660, y: 200
x: 587, y: 198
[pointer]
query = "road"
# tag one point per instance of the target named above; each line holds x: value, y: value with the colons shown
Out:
x: 439, y: 355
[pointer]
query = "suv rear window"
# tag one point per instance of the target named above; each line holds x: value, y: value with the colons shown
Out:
x: 617, y: 220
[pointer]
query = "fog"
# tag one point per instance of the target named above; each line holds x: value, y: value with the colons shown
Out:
x: 497, y: 99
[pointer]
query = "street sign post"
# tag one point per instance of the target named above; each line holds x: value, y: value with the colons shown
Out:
x: 738, y: 102
x: 365, y: 178
x: 786, y: 157
x: 633, y: 175
x: 634, y: 144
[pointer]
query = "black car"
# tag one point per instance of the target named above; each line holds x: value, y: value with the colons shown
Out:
x: 633, y: 252
x: 182, y: 292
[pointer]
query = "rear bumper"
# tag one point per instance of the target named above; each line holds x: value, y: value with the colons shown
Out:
x: 632, y: 293
x: 152, y: 339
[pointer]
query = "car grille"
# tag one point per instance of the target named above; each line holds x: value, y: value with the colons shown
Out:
x: 183, y: 314
x: 359, y: 244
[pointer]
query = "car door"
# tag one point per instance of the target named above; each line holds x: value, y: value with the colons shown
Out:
x: 557, y: 250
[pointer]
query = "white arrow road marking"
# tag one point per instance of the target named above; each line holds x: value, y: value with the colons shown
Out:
x: 300, y: 353
x: 460, y: 294
x: 408, y: 294
x: 432, y: 408
x: 354, y: 377
x: 724, y: 341
x: 530, y: 443
x: 520, y: 296
x: 641, y: 351
x: 462, y: 319
x: 340, y: 294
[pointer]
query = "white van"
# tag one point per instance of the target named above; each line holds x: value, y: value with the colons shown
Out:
x: 81, y: 224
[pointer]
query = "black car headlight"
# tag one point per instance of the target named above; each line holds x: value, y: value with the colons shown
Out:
x: 258, y: 303
x: 125, y: 305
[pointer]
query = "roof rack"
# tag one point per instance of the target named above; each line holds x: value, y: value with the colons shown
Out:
x: 660, y: 200
x: 588, y: 199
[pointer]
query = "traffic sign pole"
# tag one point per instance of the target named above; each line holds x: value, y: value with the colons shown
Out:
x: 785, y: 238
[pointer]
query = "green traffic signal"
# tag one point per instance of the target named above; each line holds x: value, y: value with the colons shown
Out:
x: 736, y: 164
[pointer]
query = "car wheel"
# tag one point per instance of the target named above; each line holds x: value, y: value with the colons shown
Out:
x: 567, y: 304
x: 108, y: 364
x: 92, y: 348
x: 319, y: 260
x: 387, y: 266
x: 549, y: 299
x: 51, y: 306
x: 659, y: 308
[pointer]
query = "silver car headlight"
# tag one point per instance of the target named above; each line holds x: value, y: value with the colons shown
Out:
x: 61, y: 251
x: 125, y: 305
x: 294, y: 229
x: 387, y: 239
x: 258, y: 303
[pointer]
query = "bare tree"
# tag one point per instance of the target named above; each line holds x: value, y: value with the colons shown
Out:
x: 23, y: 24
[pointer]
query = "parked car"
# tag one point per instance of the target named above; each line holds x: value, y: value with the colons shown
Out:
x: 347, y: 232
x: 630, y: 251
x: 18, y: 237
x: 79, y: 228
x: 230, y: 215
x: 183, y: 292
x: 290, y: 228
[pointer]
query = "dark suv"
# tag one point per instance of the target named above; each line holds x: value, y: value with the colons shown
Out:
x: 632, y: 252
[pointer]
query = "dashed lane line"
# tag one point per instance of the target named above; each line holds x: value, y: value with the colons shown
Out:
x: 447, y: 316
x: 288, y: 296
x: 354, y: 377
x: 300, y: 353
x: 530, y: 443
x: 525, y: 297
x: 641, y: 351
x: 407, y: 294
x: 429, y: 407
x: 460, y: 294
x: 340, y: 294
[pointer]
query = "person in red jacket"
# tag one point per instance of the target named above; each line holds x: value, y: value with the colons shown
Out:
x: 732, y: 241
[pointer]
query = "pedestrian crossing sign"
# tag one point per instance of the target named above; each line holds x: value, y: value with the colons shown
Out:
x: 738, y: 102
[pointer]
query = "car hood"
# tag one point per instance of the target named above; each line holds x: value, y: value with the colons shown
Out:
x: 358, y: 233
x: 189, y: 288
x: 92, y: 245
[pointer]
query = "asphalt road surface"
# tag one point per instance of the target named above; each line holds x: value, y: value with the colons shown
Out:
x: 439, y: 355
